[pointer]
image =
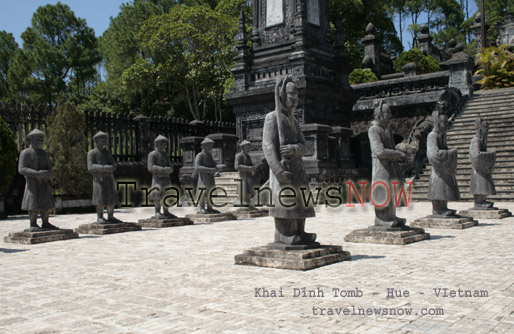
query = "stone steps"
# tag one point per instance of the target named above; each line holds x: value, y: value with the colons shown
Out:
x: 497, y: 106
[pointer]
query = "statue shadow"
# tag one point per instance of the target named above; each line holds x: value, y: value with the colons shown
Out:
x: 485, y: 224
x: 7, y: 250
x: 366, y: 257
x: 436, y: 237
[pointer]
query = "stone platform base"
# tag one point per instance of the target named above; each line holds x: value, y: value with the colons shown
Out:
x: 444, y: 223
x: 292, y: 259
x: 160, y: 223
x: 246, y: 214
x: 387, y: 237
x: 108, y: 228
x: 486, y: 214
x: 38, y: 237
x: 211, y: 218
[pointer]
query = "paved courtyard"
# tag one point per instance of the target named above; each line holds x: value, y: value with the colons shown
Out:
x: 183, y: 280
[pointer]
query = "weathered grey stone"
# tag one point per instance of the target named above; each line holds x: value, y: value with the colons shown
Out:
x: 161, y: 223
x: 205, y: 168
x: 244, y: 165
x: 211, y: 217
x: 34, y: 163
x: 246, y: 214
x: 492, y: 213
x: 29, y: 238
x: 292, y: 259
x: 455, y: 222
x: 159, y: 164
x: 284, y: 146
x: 407, y: 236
x: 107, y: 228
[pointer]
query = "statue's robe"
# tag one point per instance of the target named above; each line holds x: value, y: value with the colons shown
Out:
x: 38, y: 194
x: 104, y: 191
x: 443, y: 184
x: 482, y: 163
x: 157, y: 161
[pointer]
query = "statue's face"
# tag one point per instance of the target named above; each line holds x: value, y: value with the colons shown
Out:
x: 208, y: 148
x: 101, y: 142
x: 245, y: 149
x: 442, y: 124
x: 291, y: 100
x: 386, y: 115
x: 161, y: 146
x: 38, y: 142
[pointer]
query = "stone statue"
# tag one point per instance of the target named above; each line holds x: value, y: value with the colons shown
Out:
x: 482, y: 167
x: 205, y: 168
x: 443, y: 184
x: 385, y: 168
x: 101, y: 163
x: 243, y: 163
x: 35, y: 165
x: 160, y: 166
x: 284, y: 145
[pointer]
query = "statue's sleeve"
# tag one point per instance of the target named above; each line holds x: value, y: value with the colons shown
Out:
x: 92, y: 166
x: 301, y: 148
x: 271, y: 144
x: 152, y: 165
x: 482, y: 161
x: 200, y: 166
x: 377, y: 146
x: 24, y: 165
x: 239, y: 164
x: 443, y: 160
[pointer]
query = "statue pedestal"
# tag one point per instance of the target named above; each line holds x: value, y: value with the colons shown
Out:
x: 161, y: 223
x: 211, y: 218
x: 391, y: 236
x: 108, y: 228
x: 456, y: 222
x: 302, y: 259
x: 493, y: 213
x: 37, y: 237
x: 246, y: 214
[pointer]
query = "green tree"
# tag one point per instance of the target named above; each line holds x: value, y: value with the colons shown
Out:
x: 59, y: 54
x: 193, y: 47
x: 427, y: 63
x: 8, y: 156
x: 8, y: 47
x: 67, y: 147
x: 495, y: 11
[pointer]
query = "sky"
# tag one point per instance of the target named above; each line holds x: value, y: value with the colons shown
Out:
x: 15, y: 15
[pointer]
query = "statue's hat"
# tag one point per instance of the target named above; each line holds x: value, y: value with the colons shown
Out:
x: 36, y: 133
x: 244, y: 143
x: 100, y: 134
x: 160, y: 138
x: 207, y: 141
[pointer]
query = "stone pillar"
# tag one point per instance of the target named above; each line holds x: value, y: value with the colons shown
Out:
x: 411, y: 69
x: 224, y: 151
x: 190, y: 147
x: 371, y: 50
x: 241, y: 68
x: 343, y: 155
x: 460, y: 67
x: 144, y: 138
x: 476, y: 30
x: 317, y: 160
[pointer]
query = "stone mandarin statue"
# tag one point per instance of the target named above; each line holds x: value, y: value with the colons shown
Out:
x: 101, y: 163
x: 443, y: 184
x: 243, y: 163
x: 385, y: 168
x: 482, y: 163
x: 205, y: 168
x: 35, y: 165
x: 284, y: 145
x: 160, y: 166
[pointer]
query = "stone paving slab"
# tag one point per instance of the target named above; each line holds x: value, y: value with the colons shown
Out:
x: 184, y: 280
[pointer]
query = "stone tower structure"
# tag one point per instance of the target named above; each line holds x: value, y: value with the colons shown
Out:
x: 289, y: 37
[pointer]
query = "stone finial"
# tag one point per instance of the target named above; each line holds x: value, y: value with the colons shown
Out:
x: 370, y: 29
x: 424, y: 30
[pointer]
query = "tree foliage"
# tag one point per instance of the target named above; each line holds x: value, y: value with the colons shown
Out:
x: 8, y: 156
x: 427, y: 63
x: 496, y: 67
x: 360, y: 75
x: 8, y: 47
x: 59, y: 54
x: 67, y: 146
